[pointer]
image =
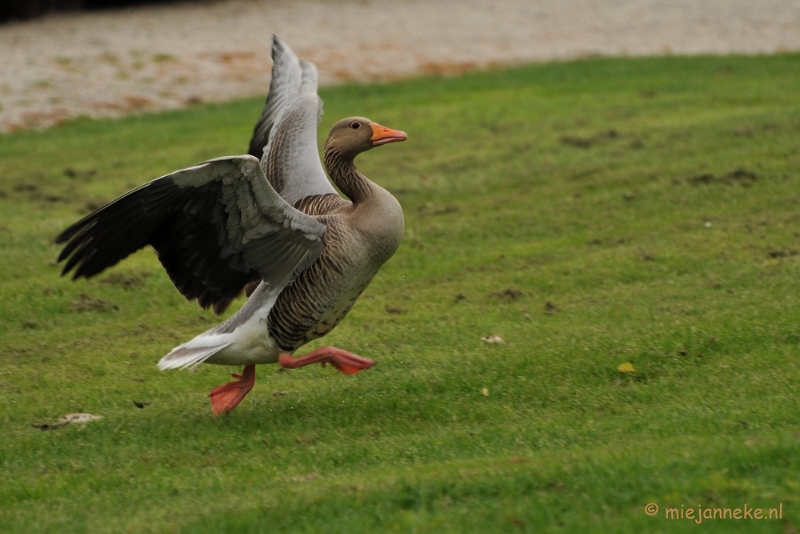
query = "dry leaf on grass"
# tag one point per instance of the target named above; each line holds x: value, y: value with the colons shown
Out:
x: 78, y: 418
x: 67, y: 419
x: 626, y: 367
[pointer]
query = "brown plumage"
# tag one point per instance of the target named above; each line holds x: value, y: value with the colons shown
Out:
x: 271, y: 220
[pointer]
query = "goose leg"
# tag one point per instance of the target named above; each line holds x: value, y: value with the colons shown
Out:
x: 226, y: 397
x: 346, y: 362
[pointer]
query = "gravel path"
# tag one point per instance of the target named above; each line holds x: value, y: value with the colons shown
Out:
x: 119, y: 62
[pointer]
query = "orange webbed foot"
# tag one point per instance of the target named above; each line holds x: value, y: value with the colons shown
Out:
x: 345, y: 362
x: 226, y: 397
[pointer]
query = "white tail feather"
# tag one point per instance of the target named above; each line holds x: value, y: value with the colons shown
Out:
x: 244, y: 338
x: 191, y: 354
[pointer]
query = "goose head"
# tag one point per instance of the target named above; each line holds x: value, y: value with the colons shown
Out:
x: 355, y: 135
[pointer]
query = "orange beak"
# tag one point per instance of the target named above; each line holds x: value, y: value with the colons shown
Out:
x: 382, y: 135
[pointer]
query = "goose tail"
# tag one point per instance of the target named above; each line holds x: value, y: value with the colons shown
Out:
x: 193, y: 353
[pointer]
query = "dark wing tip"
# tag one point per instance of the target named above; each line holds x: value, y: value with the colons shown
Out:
x: 74, y: 229
x: 221, y: 305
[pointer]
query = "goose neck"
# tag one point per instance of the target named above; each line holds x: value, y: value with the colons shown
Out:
x: 342, y: 170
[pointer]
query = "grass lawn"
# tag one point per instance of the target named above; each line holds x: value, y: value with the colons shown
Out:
x: 592, y: 214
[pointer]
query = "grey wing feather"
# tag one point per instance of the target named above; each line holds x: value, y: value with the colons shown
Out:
x: 216, y: 227
x: 277, y: 240
x: 287, y: 129
x: 287, y: 76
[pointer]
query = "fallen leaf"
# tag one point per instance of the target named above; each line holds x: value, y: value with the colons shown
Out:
x: 626, y: 367
x: 78, y: 418
x: 67, y: 419
x: 493, y: 339
x: 485, y: 392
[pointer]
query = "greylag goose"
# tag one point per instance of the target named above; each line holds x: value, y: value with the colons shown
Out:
x: 274, y: 221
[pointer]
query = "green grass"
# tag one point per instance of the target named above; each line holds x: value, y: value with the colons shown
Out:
x: 653, y: 203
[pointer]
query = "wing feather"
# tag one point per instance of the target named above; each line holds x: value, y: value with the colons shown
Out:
x: 216, y: 227
x: 285, y: 137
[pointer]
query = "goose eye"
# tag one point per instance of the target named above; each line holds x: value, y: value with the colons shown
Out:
x: 355, y: 125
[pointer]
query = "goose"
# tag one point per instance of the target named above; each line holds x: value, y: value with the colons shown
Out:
x: 269, y: 221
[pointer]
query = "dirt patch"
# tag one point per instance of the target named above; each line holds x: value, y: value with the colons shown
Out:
x: 551, y: 309
x: 740, y: 176
x: 775, y: 254
x: 584, y: 174
x: 26, y: 188
x: 588, y: 142
x: 509, y: 294
x: 34, y: 191
x: 86, y: 303
x: 52, y: 198
x: 69, y: 172
x: 130, y: 280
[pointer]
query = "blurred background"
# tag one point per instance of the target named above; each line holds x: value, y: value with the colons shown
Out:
x: 103, y: 58
x: 27, y: 9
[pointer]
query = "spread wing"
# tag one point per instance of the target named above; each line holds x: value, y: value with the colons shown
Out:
x: 216, y: 227
x: 285, y: 137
